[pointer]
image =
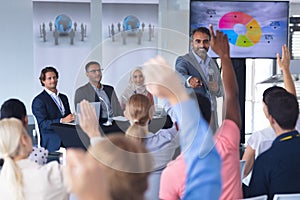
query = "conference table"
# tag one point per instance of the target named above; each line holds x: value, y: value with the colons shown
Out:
x: 73, y: 136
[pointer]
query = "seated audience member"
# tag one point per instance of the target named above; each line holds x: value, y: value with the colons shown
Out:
x: 95, y: 91
x: 135, y: 86
x: 50, y: 107
x: 21, y: 178
x: 161, y: 144
x: 124, y: 163
x: 276, y: 170
x: 227, y: 137
x: 15, y: 108
x: 262, y: 140
x: 172, y: 182
x: 139, y: 111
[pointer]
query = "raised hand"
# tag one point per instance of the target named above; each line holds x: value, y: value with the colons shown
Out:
x: 284, y: 64
x: 85, y: 176
x: 219, y: 43
x: 162, y: 81
x: 88, y: 119
x: 284, y: 61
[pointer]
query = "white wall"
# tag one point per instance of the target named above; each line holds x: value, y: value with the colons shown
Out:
x: 16, y: 51
x: 16, y: 41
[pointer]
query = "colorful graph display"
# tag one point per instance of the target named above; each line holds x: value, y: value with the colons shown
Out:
x: 255, y: 29
x: 242, y: 29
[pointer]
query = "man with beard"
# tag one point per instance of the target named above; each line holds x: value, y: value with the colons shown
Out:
x: 50, y: 107
x: 201, y: 73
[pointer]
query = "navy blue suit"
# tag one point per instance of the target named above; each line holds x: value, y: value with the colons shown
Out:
x: 47, y: 113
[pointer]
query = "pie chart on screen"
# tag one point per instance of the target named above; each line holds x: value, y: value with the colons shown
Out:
x: 242, y: 29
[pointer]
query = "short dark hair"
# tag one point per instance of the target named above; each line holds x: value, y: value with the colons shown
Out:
x: 204, y: 106
x: 271, y: 90
x: 13, y: 108
x: 91, y: 63
x: 282, y: 106
x: 44, y: 71
x: 202, y: 30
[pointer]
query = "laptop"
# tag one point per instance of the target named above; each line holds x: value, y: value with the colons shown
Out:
x: 97, y: 107
x: 72, y: 136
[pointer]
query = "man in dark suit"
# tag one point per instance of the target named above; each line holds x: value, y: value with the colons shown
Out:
x: 50, y: 107
x: 95, y: 91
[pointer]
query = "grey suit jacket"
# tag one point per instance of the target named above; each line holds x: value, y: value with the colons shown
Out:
x: 88, y: 93
x: 187, y: 66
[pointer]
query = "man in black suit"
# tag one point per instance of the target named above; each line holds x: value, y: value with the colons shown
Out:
x: 95, y: 91
x: 50, y: 107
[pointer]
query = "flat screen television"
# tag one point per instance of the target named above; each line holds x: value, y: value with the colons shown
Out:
x: 255, y: 29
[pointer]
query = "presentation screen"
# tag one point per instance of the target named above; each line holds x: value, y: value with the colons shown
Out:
x: 255, y: 29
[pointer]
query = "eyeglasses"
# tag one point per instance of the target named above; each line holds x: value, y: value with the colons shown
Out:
x: 206, y: 41
x: 95, y: 70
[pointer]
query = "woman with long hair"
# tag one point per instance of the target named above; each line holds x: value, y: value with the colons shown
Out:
x: 20, y: 178
x: 161, y: 145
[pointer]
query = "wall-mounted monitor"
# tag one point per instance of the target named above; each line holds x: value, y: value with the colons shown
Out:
x: 255, y: 29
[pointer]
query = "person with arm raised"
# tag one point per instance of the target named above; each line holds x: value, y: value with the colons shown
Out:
x: 261, y: 140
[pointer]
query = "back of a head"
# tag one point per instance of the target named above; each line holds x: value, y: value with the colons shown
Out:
x: 283, y: 107
x: 11, y: 131
x: 128, y: 165
x: 139, y: 109
x: 136, y: 132
x: 271, y: 90
x: 13, y: 108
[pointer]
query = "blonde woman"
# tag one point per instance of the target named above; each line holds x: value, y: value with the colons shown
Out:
x: 135, y: 86
x: 20, y: 178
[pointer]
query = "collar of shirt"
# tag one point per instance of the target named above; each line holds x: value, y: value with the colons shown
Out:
x: 95, y: 87
x: 51, y: 93
x: 286, y: 136
x: 57, y: 101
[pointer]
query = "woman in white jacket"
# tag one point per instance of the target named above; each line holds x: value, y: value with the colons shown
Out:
x: 20, y: 178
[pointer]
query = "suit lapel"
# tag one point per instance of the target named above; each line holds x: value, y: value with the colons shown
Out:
x: 108, y: 91
x: 191, y: 59
x: 51, y: 104
x: 194, y: 61
x: 91, y: 90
